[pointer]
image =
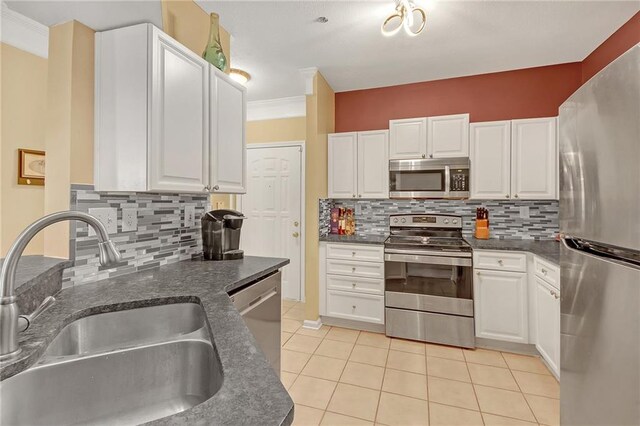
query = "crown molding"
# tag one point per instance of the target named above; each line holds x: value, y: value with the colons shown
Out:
x: 307, y: 75
x: 23, y: 33
x: 295, y: 106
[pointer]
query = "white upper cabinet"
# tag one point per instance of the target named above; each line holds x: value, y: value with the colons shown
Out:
x: 228, y: 108
x: 448, y: 136
x: 408, y: 138
x: 359, y: 165
x: 534, y: 158
x: 179, y: 142
x: 491, y: 160
x: 373, y: 164
x: 343, y: 165
x: 158, y: 126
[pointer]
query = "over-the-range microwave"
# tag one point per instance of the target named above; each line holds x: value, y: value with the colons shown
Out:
x: 429, y: 178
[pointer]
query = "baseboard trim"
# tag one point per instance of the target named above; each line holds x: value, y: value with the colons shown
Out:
x: 356, y: 325
x: 518, y: 348
x: 312, y: 324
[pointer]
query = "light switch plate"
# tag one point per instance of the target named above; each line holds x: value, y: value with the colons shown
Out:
x: 524, y: 212
x: 189, y: 216
x: 129, y: 220
x: 108, y: 216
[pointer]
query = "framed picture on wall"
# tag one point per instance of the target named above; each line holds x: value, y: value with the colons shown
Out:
x: 31, y: 165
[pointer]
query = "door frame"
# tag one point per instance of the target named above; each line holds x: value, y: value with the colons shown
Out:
x: 303, y: 218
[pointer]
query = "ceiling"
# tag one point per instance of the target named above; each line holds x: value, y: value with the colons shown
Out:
x: 273, y: 40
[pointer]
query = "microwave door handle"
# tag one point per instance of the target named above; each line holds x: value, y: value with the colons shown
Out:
x: 447, y: 180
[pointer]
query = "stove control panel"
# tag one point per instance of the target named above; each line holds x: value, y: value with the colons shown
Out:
x: 426, y: 221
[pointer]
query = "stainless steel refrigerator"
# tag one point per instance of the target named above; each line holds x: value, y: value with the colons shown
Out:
x: 600, y: 254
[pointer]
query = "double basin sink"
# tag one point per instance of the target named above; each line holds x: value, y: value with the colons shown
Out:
x: 124, y: 367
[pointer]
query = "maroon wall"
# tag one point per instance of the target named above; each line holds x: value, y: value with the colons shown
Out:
x: 622, y: 40
x: 525, y: 93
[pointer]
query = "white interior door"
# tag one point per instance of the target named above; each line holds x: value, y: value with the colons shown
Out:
x: 273, y: 204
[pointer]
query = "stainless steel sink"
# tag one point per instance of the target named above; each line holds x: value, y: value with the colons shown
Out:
x: 93, y: 382
x: 122, y: 329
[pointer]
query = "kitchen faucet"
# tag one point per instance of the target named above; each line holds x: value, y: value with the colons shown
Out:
x: 9, y: 318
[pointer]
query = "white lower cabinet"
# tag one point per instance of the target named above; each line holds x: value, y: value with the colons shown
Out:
x: 547, y: 317
x: 500, y: 302
x: 352, y: 289
x: 355, y: 306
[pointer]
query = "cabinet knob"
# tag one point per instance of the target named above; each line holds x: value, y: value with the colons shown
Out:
x: 295, y: 235
x: 354, y: 307
x: 353, y: 269
x: 557, y: 296
x: 353, y: 285
x: 359, y: 195
x: 516, y: 196
x: 206, y: 188
x: 353, y: 253
x: 423, y: 155
x: 506, y: 196
x: 353, y: 195
x: 295, y: 224
x: 430, y: 155
x: 544, y: 271
x: 478, y: 273
x: 215, y: 188
x: 500, y: 262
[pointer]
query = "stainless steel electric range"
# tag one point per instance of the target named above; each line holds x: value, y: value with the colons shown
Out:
x: 429, y: 280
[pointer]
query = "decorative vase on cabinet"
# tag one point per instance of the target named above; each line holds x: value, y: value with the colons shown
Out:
x: 213, y: 53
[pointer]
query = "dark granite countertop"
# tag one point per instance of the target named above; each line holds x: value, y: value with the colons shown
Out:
x: 251, y: 392
x: 32, y: 266
x: 546, y: 249
x: 354, y: 239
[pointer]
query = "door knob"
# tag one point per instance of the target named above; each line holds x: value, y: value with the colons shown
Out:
x: 296, y: 235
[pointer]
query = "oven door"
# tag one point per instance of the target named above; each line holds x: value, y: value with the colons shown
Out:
x: 418, y: 179
x: 438, y: 284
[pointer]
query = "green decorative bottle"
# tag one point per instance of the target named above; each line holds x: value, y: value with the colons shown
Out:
x: 213, y: 52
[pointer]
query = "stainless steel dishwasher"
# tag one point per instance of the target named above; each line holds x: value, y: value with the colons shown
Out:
x: 260, y: 306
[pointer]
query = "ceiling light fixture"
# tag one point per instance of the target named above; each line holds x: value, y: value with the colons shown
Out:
x: 404, y: 16
x: 240, y: 76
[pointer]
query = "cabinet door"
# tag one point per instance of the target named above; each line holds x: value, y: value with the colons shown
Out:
x: 491, y: 160
x: 448, y: 136
x: 548, y: 323
x: 373, y: 164
x: 408, y: 138
x: 179, y: 143
x: 343, y: 165
x: 534, y: 159
x: 228, y: 105
x: 500, y: 302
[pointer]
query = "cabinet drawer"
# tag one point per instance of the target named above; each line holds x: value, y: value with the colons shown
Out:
x: 355, y: 306
x: 356, y: 284
x: 547, y: 271
x: 355, y: 269
x: 367, y: 253
x: 500, y: 261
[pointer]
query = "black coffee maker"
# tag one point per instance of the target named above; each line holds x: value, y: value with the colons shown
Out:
x: 221, y: 234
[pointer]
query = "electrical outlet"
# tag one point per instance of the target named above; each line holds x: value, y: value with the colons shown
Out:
x: 129, y: 220
x: 109, y: 218
x: 524, y: 212
x: 189, y: 216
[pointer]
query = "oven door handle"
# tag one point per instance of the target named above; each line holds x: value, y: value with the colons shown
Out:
x: 433, y: 260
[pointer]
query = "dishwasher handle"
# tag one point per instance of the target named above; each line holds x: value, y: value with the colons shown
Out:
x: 256, y: 294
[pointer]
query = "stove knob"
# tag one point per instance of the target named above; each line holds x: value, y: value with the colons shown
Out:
x: 446, y: 221
x: 455, y: 221
x: 395, y: 220
x: 404, y: 220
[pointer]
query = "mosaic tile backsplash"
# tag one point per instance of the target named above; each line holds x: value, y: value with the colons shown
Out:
x: 372, y: 216
x: 161, y: 237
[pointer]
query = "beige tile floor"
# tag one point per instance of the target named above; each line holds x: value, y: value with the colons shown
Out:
x: 338, y: 376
